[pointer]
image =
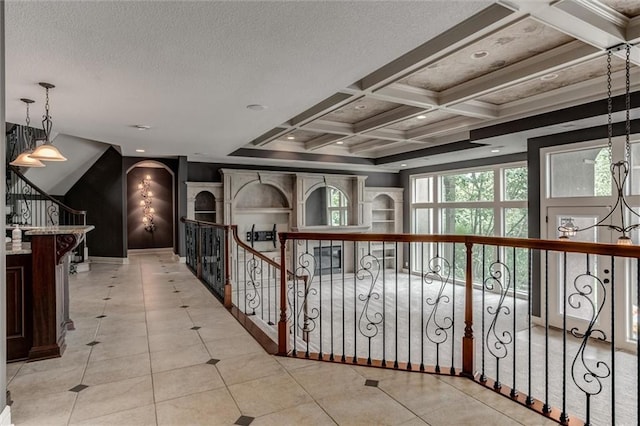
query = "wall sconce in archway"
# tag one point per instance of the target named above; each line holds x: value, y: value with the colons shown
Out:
x: 145, y: 203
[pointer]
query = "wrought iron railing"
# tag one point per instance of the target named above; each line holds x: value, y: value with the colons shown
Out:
x: 29, y: 206
x: 207, y: 255
x: 549, y: 324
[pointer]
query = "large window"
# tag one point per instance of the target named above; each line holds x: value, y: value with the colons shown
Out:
x: 338, y: 207
x: 490, y: 201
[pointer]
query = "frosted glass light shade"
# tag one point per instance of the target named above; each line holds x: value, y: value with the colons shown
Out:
x: 47, y: 152
x: 25, y: 160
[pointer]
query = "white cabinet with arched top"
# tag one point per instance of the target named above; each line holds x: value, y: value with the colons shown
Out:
x: 205, y: 201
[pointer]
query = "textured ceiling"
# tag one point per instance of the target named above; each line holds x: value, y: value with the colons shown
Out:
x: 188, y: 69
x: 350, y: 83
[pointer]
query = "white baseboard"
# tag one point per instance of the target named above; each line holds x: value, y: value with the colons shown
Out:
x: 110, y: 260
x: 5, y: 416
x: 164, y: 250
x: 180, y: 259
x: 83, y: 267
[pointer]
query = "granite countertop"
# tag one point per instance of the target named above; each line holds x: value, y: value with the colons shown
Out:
x: 25, y: 248
x: 60, y: 230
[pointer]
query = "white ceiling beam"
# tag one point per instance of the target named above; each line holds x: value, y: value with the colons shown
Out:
x: 452, y: 124
x: 322, y: 141
x: 387, y: 118
x: 633, y: 31
x: 536, y: 66
x: 367, y: 146
x: 407, y: 95
x: 474, y: 108
x: 590, y: 22
x: 326, y: 126
x: 387, y: 134
x: 564, y: 97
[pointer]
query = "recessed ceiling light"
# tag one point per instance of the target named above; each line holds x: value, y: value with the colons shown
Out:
x: 549, y: 77
x: 495, y: 150
x: 403, y: 165
x: 291, y: 137
x: 421, y: 117
x: 361, y: 106
x: 339, y: 142
x: 256, y: 107
x: 139, y: 150
x: 141, y: 126
x: 479, y: 54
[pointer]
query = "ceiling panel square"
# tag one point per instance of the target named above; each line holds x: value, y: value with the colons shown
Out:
x: 299, y: 136
x: 429, y: 118
x: 512, y: 44
x: 360, y: 110
x: 566, y: 77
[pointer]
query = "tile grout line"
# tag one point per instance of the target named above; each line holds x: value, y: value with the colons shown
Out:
x: 86, y: 364
x: 146, y: 325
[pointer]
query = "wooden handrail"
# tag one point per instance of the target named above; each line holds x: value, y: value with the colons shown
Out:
x: 531, y: 243
x: 15, y: 170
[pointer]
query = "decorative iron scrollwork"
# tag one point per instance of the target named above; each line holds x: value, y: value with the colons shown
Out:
x: 52, y: 214
x: 370, y: 318
x: 305, y: 318
x: 254, y: 272
x: 499, y: 280
x: 438, y: 326
x: 588, y: 374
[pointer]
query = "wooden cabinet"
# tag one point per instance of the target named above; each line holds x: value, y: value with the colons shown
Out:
x: 18, y: 325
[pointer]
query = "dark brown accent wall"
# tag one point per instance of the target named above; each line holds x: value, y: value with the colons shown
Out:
x: 100, y: 191
x: 161, y: 186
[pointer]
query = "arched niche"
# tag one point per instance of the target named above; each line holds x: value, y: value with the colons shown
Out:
x: 260, y: 195
x: 326, y: 205
x: 205, y: 207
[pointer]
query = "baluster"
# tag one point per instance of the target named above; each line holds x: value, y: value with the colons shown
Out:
x: 468, y: 347
x: 320, y: 296
x: 564, y: 417
x: 529, y: 400
x: 331, y: 297
x: 355, y: 302
x: 422, y: 302
x: 395, y: 362
x: 546, y: 408
x: 452, y: 370
x: 384, y: 304
x: 344, y: 350
x: 483, y: 376
x: 409, y: 311
x: 514, y: 392
x: 613, y: 340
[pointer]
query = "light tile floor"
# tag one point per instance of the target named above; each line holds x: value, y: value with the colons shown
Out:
x: 153, y: 347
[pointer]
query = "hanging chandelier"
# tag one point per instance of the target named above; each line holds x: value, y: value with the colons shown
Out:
x: 619, y: 170
x: 24, y: 159
x: 46, y: 151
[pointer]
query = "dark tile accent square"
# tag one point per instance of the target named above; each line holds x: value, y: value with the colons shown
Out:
x: 114, y: 277
x: 373, y: 383
x: 107, y: 298
x: 196, y: 328
x: 95, y: 342
x: 184, y: 306
x: 170, y: 281
x: 101, y: 316
x: 111, y: 286
x: 244, y: 420
x: 213, y: 361
x: 78, y: 388
x: 177, y: 291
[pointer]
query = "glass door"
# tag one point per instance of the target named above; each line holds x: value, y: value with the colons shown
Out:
x: 580, y: 285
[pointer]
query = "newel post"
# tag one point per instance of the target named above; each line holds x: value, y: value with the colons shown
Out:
x: 227, y: 268
x: 468, y: 346
x: 198, y: 237
x: 283, y: 327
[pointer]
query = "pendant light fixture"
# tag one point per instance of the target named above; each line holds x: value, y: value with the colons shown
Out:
x: 46, y: 151
x: 619, y: 170
x: 24, y: 159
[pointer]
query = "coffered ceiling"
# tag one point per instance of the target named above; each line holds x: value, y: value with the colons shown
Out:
x: 512, y: 60
x: 345, y: 85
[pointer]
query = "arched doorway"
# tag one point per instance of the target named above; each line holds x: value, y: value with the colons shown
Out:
x: 150, y: 206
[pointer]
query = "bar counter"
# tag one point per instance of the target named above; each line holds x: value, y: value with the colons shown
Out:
x: 38, y: 291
